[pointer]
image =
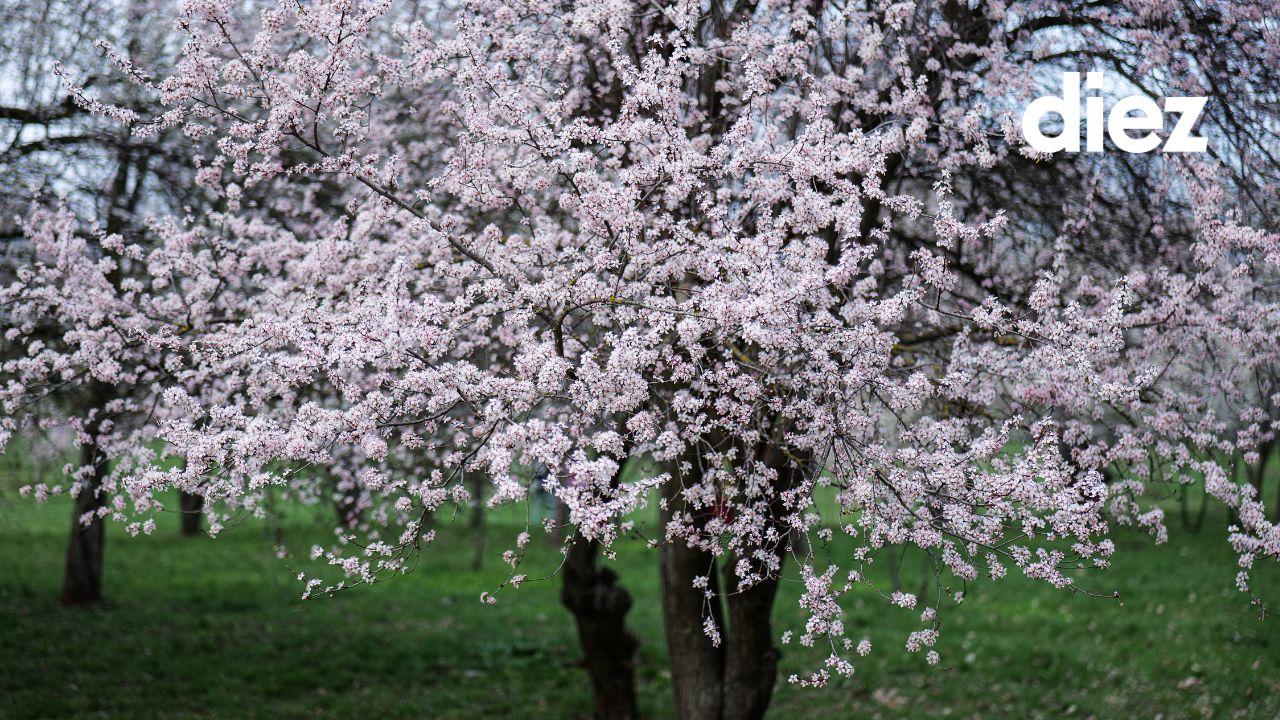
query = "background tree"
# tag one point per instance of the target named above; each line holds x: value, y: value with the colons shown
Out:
x: 796, y: 258
x: 58, y: 151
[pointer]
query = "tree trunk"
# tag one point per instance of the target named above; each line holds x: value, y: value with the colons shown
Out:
x: 346, y: 502
x: 599, y: 606
x: 557, y: 533
x: 732, y: 681
x: 697, y: 665
x: 477, y: 521
x: 751, y: 658
x: 1265, y: 455
x: 1184, y: 508
x: 751, y: 666
x: 82, y: 580
x: 190, y: 507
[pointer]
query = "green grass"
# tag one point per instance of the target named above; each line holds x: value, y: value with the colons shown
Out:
x: 201, y: 628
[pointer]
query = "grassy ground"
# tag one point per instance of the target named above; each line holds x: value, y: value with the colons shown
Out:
x: 200, y: 628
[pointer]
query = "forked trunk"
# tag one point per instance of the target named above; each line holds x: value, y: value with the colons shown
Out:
x: 733, y: 680
x: 82, y: 580
x: 599, y: 606
x: 1184, y: 509
x: 697, y: 665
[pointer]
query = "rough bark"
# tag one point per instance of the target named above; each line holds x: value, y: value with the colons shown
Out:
x: 82, y: 579
x: 190, y: 507
x: 751, y: 658
x: 697, y: 665
x: 735, y: 680
x: 599, y: 606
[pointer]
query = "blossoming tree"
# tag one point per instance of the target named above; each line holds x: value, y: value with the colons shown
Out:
x: 795, y: 260
x: 74, y: 308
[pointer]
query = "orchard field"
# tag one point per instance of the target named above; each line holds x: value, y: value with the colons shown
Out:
x: 200, y: 628
x: 886, y: 346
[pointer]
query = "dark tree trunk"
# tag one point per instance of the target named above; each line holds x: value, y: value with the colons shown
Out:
x: 558, y: 530
x: 1256, y: 474
x: 599, y: 606
x: 1276, y: 509
x: 1259, y: 470
x: 751, y: 658
x: 346, y: 505
x: 735, y: 680
x: 1184, y: 509
x: 477, y: 521
x: 191, y: 507
x: 82, y: 581
x: 697, y: 665
x: 1233, y: 517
